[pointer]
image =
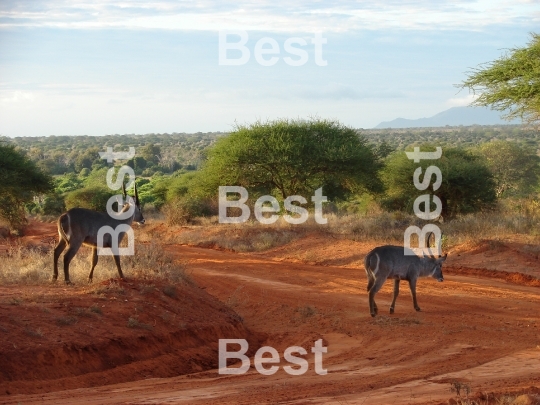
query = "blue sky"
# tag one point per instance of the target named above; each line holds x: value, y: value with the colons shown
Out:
x: 102, y: 67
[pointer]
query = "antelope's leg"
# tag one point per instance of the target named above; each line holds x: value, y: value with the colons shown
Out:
x: 376, y: 287
x: 57, y: 251
x: 94, y: 262
x: 396, y: 292
x: 412, y: 284
x: 117, y: 261
x: 70, y: 254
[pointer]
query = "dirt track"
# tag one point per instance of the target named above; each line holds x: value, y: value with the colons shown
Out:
x: 481, y: 331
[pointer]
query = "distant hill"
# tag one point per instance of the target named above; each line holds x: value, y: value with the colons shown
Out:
x: 454, y: 116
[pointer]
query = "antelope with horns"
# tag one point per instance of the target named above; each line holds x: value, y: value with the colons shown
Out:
x: 80, y: 226
x: 386, y: 262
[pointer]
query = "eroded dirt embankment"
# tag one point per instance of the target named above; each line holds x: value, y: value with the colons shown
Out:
x: 56, y: 337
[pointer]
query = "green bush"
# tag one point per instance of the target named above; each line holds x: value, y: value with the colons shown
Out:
x: 183, y: 210
x: 467, y: 184
x: 93, y: 198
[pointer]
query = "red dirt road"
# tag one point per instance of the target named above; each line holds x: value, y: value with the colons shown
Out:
x: 482, y: 331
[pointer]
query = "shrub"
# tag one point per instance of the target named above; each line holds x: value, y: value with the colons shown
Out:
x: 183, y: 210
x: 94, y: 198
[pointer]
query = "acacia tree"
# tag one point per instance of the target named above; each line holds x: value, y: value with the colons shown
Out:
x: 21, y: 180
x: 515, y: 169
x: 467, y: 184
x: 293, y: 157
x: 511, y: 83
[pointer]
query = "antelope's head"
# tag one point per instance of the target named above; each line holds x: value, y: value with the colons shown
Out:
x: 130, y: 201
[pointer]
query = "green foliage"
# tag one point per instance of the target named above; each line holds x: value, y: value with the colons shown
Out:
x: 150, y: 153
x: 94, y: 198
x: 68, y: 182
x: 65, y: 154
x: 467, y: 184
x: 183, y: 210
x: 53, y: 204
x: 511, y: 83
x: 86, y: 159
x: 183, y: 197
x: 515, y: 168
x: 288, y: 157
x: 98, y: 178
x: 21, y: 180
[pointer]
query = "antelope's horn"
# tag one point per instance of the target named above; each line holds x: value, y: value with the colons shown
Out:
x: 136, y: 193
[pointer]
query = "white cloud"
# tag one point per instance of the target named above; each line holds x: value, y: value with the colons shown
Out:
x: 461, y: 101
x: 271, y: 15
x: 17, y: 97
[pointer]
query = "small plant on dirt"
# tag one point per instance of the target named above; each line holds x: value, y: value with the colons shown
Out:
x: 152, y: 262
x: 393, y: 321
x: 66, y: 320
x: 306, y: 312
x: 110, y: 287
x: 460, y: 388
x: 96, y: 309
x: 15, y: 301
x: 82, y: 312
x: 134, y: 323
x: 147, y: 289
x: 170, y: 291
x: 166, y: 316
x: 34, y: 333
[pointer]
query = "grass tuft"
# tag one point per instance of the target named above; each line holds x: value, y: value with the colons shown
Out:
x: 66, y: 320
x: 34, y: 267
x: 133, y: 322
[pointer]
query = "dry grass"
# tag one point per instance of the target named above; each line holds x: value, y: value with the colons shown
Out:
x: 306, y: 312
x: 512, y: 217
x: 30, y: 266
x: 250, y: 236
x: 133, y: 322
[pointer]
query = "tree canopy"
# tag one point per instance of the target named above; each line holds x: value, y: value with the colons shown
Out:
x: 510, y: 84
x: 515, y: 169
x: 21, y: 180
x: 293, y: 157
x: 467, y: 184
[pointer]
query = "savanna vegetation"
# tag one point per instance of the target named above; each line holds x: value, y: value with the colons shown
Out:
x: 487, y: 171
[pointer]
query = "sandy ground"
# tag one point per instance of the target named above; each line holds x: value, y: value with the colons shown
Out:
x: 480, y: 326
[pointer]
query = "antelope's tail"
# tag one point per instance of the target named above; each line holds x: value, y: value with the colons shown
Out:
x: 63, y: 222
x: 370, y: 272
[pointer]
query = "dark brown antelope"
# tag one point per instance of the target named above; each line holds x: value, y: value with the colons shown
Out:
x: 81, y: 226
x: 386, y: 262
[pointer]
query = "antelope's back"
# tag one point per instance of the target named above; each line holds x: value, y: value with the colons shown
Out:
x: 393, y: 260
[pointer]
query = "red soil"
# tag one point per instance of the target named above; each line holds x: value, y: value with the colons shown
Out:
x: 481, y: 326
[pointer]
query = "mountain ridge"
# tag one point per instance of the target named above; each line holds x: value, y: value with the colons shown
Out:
x: 454, y: 116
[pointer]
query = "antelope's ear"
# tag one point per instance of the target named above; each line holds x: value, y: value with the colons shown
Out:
x: 443, y: 258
